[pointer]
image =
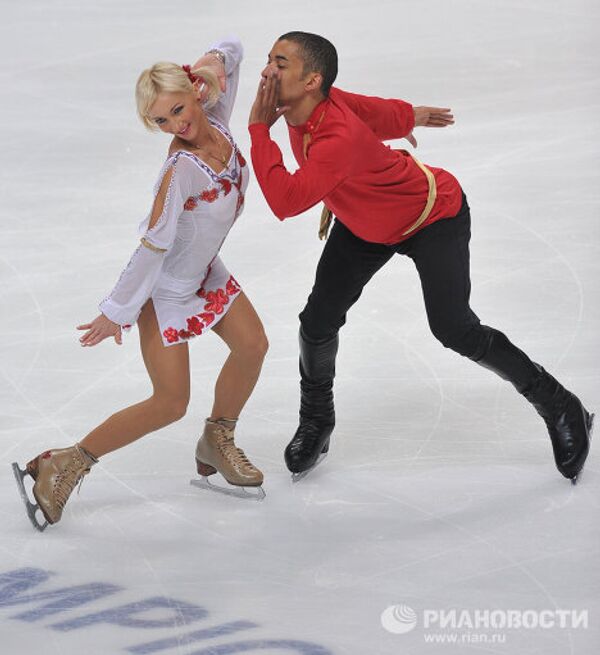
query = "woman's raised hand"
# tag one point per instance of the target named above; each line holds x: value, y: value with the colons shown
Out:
x: 216, y: 66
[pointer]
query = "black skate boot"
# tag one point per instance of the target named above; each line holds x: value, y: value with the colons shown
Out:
x: 317, y: 414
x: 569, y: 423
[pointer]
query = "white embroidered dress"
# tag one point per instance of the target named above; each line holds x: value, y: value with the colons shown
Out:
x: 177, y: 264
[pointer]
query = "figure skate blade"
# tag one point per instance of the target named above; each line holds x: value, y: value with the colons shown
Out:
x: 32, y: 508
x: 231, y: 490
x: 296, y: 477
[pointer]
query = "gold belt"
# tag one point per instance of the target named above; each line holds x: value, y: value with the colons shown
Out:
x: 327, y: 215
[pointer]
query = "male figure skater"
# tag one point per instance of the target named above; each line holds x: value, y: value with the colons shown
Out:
x: 385, y: 202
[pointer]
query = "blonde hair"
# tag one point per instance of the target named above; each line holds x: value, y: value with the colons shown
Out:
x: 165, y: 77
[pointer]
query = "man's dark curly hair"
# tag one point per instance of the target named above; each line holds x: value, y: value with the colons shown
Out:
x: 318, y: 54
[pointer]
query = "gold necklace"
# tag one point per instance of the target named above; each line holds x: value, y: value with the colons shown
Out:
x: 220, y: 158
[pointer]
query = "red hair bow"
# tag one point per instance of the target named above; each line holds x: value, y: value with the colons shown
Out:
x: 192, y: 76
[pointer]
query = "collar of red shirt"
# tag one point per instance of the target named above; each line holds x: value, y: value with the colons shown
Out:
x: 314, y: 120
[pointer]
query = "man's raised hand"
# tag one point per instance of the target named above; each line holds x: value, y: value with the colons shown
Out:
x: 265, y: 109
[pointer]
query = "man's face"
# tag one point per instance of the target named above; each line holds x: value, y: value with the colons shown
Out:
x: 285, y: 64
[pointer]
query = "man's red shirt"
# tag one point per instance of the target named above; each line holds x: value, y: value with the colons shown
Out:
x: 376, y: 192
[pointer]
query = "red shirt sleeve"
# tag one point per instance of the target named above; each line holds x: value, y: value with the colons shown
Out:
x: 290, y: 194
x: 388, y: 118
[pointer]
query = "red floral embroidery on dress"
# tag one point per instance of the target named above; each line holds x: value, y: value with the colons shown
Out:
x: 207, y: 317
x: 195, y: 325
x: 171, y: 335
x: 226, y: 184
x: 216, y: 301
x: 232, y: 287
x: 210, y: 195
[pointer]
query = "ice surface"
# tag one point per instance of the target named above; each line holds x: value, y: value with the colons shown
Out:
x: 440, y: 490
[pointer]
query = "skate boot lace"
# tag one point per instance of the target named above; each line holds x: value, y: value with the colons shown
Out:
x: 66, y: 482
x: 231, y: 452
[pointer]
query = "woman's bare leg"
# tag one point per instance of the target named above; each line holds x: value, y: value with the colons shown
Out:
x: 170, y: 375
x: 243, y: 332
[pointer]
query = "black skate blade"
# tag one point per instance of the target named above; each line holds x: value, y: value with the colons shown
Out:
x: 296, y: 477
x: 231, y: 490
x: 32, y: 508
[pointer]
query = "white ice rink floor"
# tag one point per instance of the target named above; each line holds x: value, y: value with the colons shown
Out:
x: 440, y: 492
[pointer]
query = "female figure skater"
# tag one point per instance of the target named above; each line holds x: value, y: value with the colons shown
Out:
x: 175, y: 286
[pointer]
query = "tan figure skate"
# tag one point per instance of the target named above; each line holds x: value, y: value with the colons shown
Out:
x: 55, y: 474
x: 216, y: 451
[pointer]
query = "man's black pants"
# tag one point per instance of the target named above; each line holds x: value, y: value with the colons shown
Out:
x: 441, y: 254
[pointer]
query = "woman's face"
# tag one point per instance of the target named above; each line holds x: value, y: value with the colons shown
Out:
x: 178, y: 114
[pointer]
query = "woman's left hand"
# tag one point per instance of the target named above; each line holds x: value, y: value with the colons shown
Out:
x: 216, y: 66
x: 99, y: 329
